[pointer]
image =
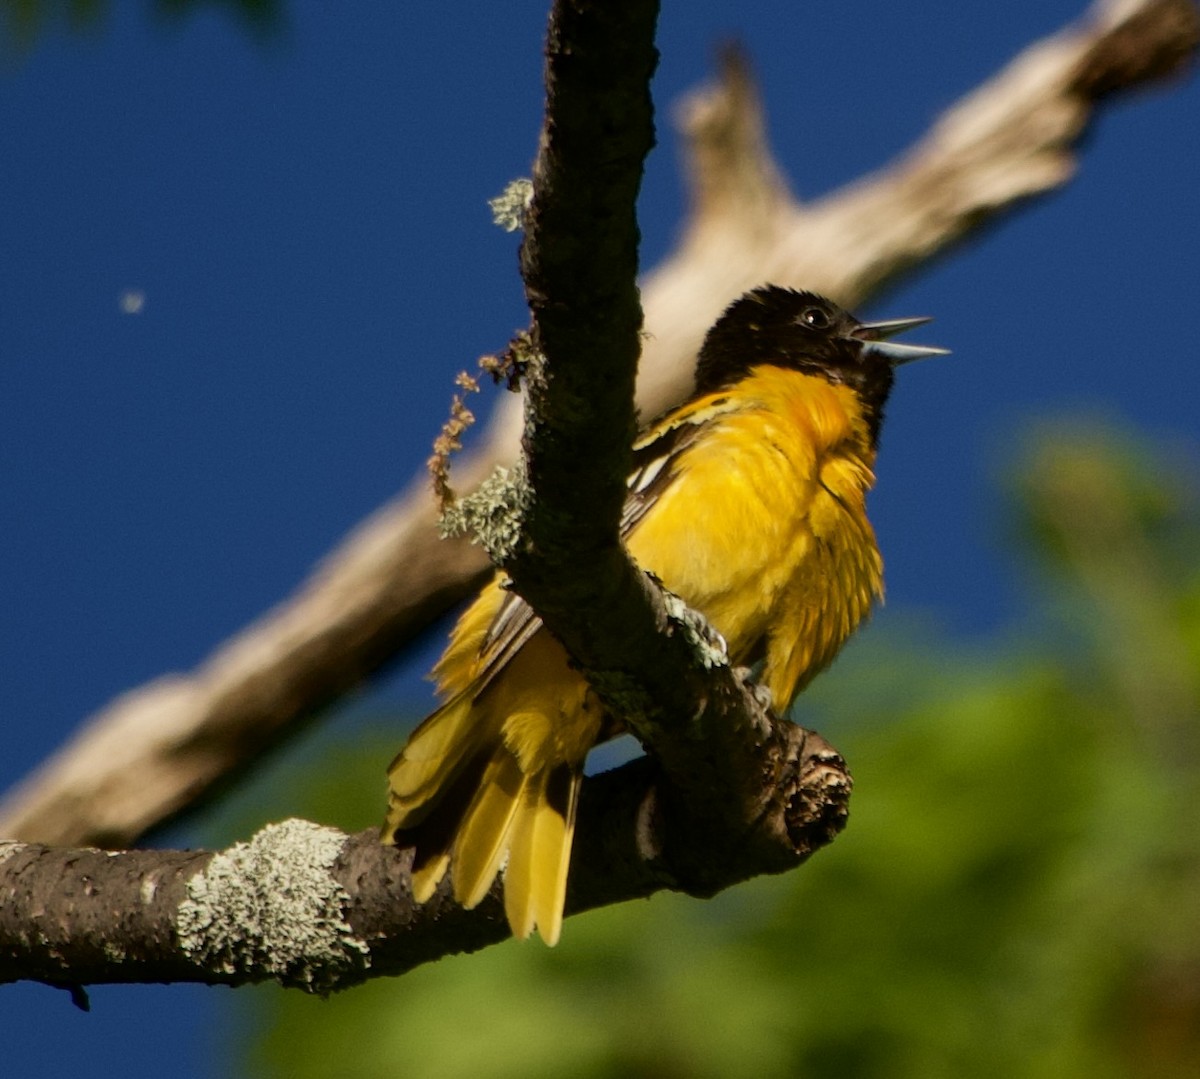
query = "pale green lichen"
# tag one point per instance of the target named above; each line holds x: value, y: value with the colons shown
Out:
x: 272, y: 907
x: 9, y: 848
x: 510, y: 207
x: 492, y: 514
x: 708, y: 644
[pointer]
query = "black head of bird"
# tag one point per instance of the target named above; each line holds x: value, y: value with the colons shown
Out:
x: 784, y: 327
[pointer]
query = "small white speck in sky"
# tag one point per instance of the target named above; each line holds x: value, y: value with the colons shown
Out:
x: 132, y: 301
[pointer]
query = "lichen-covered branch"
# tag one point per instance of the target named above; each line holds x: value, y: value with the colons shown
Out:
x: 579, y: 261
x: 160, y: 749
x: 311, y: 908
x: 721, y: 754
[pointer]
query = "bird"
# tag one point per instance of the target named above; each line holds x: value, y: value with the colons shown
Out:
x: 748, y: 502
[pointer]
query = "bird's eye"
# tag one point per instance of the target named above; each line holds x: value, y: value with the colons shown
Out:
x: 815, y: 318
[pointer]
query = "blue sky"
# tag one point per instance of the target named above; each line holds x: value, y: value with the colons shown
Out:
x: 306, y: 223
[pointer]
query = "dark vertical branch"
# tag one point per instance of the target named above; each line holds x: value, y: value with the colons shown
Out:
x: 731, y: 772
x: 580, y: 263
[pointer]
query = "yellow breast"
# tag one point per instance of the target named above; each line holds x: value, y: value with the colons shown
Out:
x: 765, y: 529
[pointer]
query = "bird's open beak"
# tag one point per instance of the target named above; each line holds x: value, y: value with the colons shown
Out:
x: 874, y: 336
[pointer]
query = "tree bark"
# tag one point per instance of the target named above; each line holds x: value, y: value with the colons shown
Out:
x: 312, y: 908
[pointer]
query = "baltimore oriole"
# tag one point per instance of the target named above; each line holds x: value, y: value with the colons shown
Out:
x: 748, y: 501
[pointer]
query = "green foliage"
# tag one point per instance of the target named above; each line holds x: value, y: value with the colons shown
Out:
x: 22, y: 22
x: 1016, y: 894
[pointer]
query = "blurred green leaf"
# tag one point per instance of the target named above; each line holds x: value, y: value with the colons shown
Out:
x: 23, y: 22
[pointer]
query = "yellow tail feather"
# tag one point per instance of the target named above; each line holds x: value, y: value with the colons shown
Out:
x: 427, y: 877
x: 438, y: 768
x: 434, y: 754
x: 482, y: 839
x: 535, y: 880
x: 484, y: 778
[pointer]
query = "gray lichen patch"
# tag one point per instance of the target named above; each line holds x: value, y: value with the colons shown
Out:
x: 8, y: 848
x: 492, y: 513
x: 272, y: 907
x: 709, y: 645
x: 511, y: 206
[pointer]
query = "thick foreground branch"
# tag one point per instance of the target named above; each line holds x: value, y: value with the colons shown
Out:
x: 310, y: 907
x: 160, y: 749
x: 653, y: 662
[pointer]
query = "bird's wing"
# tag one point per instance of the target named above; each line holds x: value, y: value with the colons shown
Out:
x: 515, y: 623
x: 657, y: 453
